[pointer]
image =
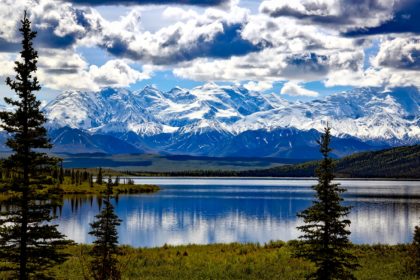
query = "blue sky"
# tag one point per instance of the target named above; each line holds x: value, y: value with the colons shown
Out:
x: 301, y: 49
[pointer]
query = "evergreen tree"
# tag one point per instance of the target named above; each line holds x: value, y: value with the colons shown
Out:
x: 1, y: 170
x: 55, y: 173
x: 117, y: 181
x: 415, y: 252
x: 130, y: 181
x: 85, y: 175
x: 61, y: 174
x: 105, y: 249
x: 73, y: 177
x: 77, y: 176
x: 29, y: 244
x: 325, y: 233
x: 91, y: 181
x: 99, y: 177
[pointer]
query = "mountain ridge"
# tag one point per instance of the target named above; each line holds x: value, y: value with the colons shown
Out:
x: 221, y: 121
x: 360, y: 112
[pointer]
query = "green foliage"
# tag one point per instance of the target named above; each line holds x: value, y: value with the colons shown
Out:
x: 117, y: 181
x: 90, y: 187
x: 29, y: 245
x: 325, y: 237
x: 130, y: 181
x: 234, y: 261
x: 104, y: 265
x: 414, y: 263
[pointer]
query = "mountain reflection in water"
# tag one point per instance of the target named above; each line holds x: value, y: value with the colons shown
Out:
x: 205, y: 211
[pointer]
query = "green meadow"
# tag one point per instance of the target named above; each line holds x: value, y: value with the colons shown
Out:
x: 236, y: 261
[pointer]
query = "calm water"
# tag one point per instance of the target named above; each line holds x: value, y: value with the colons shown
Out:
x: 206, y: 211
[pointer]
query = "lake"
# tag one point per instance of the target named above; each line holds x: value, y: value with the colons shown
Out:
x: 223, y: 210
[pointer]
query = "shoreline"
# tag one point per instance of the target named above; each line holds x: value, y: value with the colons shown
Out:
x: 99, y: 189
x: 270, y: 177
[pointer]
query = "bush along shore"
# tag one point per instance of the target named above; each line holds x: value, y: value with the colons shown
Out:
x: 75, y: 181
x: 89, y: 188
x: 86, y: 188
x: 81, y: 181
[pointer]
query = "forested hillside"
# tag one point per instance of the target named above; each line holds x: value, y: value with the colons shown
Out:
x: 401, y: 162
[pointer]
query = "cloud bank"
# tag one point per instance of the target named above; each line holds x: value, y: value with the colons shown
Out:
x: 351, y: 43
x: 150, y: 2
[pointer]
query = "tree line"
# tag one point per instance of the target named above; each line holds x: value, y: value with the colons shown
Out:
x: 400, y: 162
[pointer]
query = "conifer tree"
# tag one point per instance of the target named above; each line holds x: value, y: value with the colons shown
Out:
x: 55, y: 173
x: 325, y: 233
x: 29, y: 243
x: 415, y: 252
x: 61, y: 174
x: 105, y: 264
x: 77, y: 176
x: 73, y: 177
x: 85, y: 175
x: 99, y: 177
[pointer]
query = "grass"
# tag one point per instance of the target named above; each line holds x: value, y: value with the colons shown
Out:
x: 235, y: 261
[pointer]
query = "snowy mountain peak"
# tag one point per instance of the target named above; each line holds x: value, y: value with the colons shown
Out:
x: 369, y: 114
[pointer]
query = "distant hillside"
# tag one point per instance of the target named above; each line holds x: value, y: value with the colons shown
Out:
x: 401, y: 162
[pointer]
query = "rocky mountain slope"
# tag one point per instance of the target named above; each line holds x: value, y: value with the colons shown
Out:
x: 217, y: 120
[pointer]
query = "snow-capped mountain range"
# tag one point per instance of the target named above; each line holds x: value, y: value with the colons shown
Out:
x: 217, y: 120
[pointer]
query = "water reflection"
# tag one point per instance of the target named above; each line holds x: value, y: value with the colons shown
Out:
x: 254, y: 211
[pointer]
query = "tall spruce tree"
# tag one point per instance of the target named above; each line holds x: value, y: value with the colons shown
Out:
x: 415, y: 252
x: 105, y: 264
x: 99, y: 177
x: 29, y: 243
x: 325, y: 233
x: 91, y: 181
x: 61, y: 174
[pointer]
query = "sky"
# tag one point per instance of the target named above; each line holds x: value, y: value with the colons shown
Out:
x: 301, y: 49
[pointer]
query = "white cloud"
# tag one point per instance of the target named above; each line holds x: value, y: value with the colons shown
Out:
x: 258, y: 86
x: 299, y: 47
x: 271, y: 65
x: 396, y: 64
x: 332, y: 13
x: 371, y: 77
x: 116, y: 73
x: 9, y: 17
x: 65, y: 69
x: 7, y: 64
x: 59, y: 25
x: 400, y: 53
x: 60, y: 61
x: 294, y: 89
x: 297, y: 52
x: 189, y: 37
